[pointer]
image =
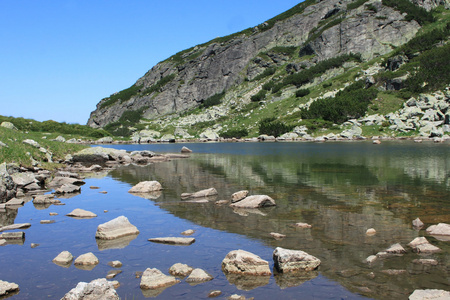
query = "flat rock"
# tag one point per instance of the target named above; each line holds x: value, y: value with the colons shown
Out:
x: 116, y: 228
x: 154, y: 279
x: 46, y: 199
x: 47, y: 221
x: 180, y: 270
x: 431, y: 294
x: 426, y: 261
x: 277, y: 236
x: 173, y: 240
x: 23, y: 179
x: 440, y: 231
x: 95, y: 290
x: 238, y: 196
x: 86, y: 259
x: 61, y: 180
x: 255, y: 201
x: 245, y: 263
x: 15, y: 226
x: 302, y: 225
x: 81, y: 213
x: 199, y: 275
x: 17, y: 235
x: 68, y: 188
x: 200, y: 194
x: 188, y: 232
x: 146, y: 187
x: 64, y: 258
x: 15, y: 202
x: 287, y: 260
x: 8, y: 287
x: 113, y: 273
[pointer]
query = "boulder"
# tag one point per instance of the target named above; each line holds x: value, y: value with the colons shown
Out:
x: 146, y: 187
x: 8, y: 188
x: 245, y: 263
x: 115, y: 264
x: 168, y: 138
x: 97, y: 155
x: 68, y: 188
x: 440, y: 231
x: 173, y: 240
x: 255, y: 201
x: 105, y: 140
x: 238, y: 196
x: 86, y: 259
x: 16, y: 235
x: 417, y: 223
x: 63, y: 258
x: 180, y: 270
x: 154, y: 279
x: 60, y: 139
x: 431, y: 294
x: 199, y: 275
x: 209, y: 134
x: 23, y: 179
x: 200, y: 194
x: 45, y: 199
x: 116, y: 228
x: 81, y: 214
x: 7, y: 287
x: 421, y: 245
x: 395, y: 249
x: 287, y: 260
x: 186, y: 150
x: 95, y: 290
x: 8, y: 125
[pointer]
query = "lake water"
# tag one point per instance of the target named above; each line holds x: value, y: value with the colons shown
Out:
x: 340, y: 188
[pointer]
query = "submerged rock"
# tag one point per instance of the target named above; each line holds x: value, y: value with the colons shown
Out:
x: 173, y: 240
x: 255, y: 201
x: 246, y: 263
x: 95, y: 290
x: 116, y: 228
x: 294, y: 260
x: 200, y: 194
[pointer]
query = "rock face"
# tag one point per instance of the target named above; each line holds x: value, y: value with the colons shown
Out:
x: 116, y: 228
x: 255, y: 201
x: 94, y: 290
x: 205, y: 70
x: 294, y: 260
x: 146, y: 187
x: 154, y: 279
x: 245, y: 263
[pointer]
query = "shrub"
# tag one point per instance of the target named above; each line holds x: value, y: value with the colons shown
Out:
x: 270, y: 126
x: 234, y: 133
x: 267, y: 72
x: 259, y: 96
x: 213, y: 100
x: 356, y: 4
x: 268, y: 86
x: 413, y: 12
x: 122, y: 96
x: 159, y: 84
x: 302, y: 92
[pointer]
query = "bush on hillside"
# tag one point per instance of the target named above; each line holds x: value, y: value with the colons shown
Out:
x: 234, y: 133
x: 413, y: 12
x: 213, y: 100
x: 259, y: 96
x: 302, y: 93
x: 270, y: 126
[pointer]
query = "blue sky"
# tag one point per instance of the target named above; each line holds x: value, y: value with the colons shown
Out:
x: 59, y: 58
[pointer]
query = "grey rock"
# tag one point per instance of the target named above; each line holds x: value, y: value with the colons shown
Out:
x: 245, y: 263
x: 255, y: 201
x: 199, y: 275
x: 417, y: 223
x: 8, y: 188
x: 421, y: 245
x: 86, y: 259
x: 60, y: 139
x: 105, y: 140
x: 16, y: 235
x: 146, y: 187
x: 395, y: 249
x: 180, y: 270
x: 31, y: 143
x: 79, y: 213
x: 15, y: 226
x: 200, y: 194
x: 115, y: 264
x: 294, y: 260
x: 116, y: 228
x: 3, y: 145
x: 430, y: 294
x: 173, y: 240
x: 188, y: 232
x: 95, y: 290
x: 113, y: 273
x: 238, y: 196
x: 154, y: 279
x: 209, y: 134
x: 45, y: 199
x: 68, y: 188
x: 8, y: 125
x: 96, y: 155
x: 8, y: 287
x: 61, y: 180
x: 63, y: 258
x: 186, y: 150
x: 277, y: 236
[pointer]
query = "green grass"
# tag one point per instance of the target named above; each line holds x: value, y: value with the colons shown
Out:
x: 385, y: 103
x: 16, y: 152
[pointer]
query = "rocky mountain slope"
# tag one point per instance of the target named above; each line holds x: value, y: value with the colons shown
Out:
x: 209, y: 84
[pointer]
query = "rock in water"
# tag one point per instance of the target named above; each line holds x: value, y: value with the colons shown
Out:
x: 154, y: 278
x: 199, y: 275
x: 173, y: 240
x: 245, y: 263
x: 255, y: 201
x: 115, y: 228
x: 63, y: 258
x: 7, y: 287
x: 180, y: 270
x: 294, y: 260
x: 95, y: 290
x: 417, y: 223
x: 86, y: 259
x: 238, y: 196
x: 81, y: 213
x: 441, y: 229
x: 429, y: 295
x: 186, y: 150
x: 200, y: 194
x: 146, y: 187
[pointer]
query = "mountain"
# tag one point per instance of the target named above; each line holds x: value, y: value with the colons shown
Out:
x: 317, y: 46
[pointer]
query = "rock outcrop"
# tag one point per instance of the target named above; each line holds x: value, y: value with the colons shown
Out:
x: 188, y: 78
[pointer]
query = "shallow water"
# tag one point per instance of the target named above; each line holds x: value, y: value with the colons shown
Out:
x: 341, y: 189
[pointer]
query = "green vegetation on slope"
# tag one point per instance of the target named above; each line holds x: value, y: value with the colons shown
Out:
x: 413, y: 12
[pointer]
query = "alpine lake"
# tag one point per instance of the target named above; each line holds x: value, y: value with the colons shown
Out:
x: 340, y: 188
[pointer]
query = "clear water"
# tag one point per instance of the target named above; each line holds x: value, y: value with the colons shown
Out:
x: 341, y: 189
